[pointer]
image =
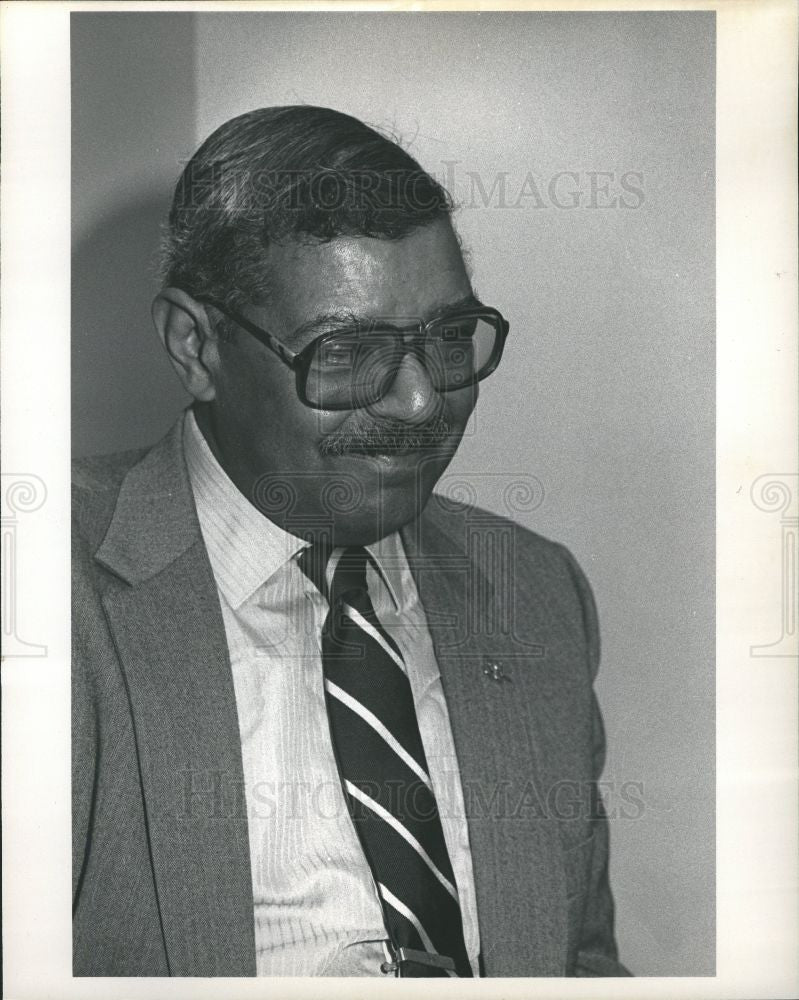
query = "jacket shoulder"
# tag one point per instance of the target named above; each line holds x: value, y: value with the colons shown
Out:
x: 100, y: 473
x: 460, y: 519
x: 521, y: 565
x: 96, y: 482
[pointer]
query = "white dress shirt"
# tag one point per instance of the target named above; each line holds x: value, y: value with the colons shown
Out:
x: 316, y: 907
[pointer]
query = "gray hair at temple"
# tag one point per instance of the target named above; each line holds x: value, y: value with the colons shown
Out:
x: 281, y: 174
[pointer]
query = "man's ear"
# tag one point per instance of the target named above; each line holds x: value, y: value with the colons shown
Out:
x: 183, y: 326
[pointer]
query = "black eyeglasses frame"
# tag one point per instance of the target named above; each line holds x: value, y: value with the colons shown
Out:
x: 413, y: 336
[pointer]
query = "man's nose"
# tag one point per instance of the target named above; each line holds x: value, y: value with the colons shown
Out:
x: 411, y: 397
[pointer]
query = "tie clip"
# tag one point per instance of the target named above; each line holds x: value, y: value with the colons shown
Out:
x: 426, y: 958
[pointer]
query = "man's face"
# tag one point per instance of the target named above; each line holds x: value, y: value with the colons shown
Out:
x: 307, y: 468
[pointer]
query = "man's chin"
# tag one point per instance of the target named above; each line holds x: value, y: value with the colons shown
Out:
x: 366, y: 531
x: 357, y: 499
x: 382, y: 514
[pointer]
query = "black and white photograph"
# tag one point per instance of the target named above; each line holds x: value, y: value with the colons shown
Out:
x: 347, y: 226
x: 395, y: 414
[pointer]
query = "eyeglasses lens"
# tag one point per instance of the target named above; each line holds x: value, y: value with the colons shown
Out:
x: 353, y: 369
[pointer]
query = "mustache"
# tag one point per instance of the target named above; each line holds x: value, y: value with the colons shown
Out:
x: 388, y: 436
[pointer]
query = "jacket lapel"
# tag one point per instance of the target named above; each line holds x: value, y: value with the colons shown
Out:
x: 519, y: 881
x: 166, y: 621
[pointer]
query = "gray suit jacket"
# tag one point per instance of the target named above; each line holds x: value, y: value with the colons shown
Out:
x: 161, y: 868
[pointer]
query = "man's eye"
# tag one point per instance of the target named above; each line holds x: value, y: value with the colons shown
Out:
x: 338, y: 355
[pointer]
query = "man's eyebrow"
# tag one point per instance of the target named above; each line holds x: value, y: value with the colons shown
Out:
x: 469, y: 301
x: 322, y: 322
x: 345, y: 319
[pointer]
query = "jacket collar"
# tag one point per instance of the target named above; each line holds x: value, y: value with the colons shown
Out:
x: 155, y: 520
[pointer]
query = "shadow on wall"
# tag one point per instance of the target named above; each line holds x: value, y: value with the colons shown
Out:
x: 125, y: 393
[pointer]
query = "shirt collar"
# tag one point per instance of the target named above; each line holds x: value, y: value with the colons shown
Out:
x: 245, y: 548
x: 388, y: 560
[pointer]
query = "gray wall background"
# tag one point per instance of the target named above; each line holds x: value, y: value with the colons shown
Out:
x: 603, y: 409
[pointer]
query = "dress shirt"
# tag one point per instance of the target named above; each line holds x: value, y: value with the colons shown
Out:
x: 316, y: 906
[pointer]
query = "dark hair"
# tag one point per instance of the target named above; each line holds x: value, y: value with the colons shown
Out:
x: 288, y: 173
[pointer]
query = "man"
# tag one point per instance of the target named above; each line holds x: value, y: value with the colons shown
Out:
x: 324, y: 722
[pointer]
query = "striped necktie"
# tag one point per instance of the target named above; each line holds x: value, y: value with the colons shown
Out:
x: 384, y: 772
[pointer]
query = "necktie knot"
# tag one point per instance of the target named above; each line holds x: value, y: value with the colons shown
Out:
x: 335, y: 572
x: 349, y: 573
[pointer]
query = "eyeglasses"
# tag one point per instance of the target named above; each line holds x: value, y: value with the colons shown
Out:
x: 355, y: 367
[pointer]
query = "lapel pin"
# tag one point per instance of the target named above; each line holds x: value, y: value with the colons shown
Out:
x: 494, y: 671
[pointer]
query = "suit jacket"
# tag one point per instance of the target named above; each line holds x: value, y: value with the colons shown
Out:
x: 161, y: 868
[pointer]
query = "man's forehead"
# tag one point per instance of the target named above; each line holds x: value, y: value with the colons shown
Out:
x: 417, y: 275
x: 332, y: 319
